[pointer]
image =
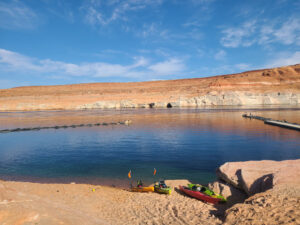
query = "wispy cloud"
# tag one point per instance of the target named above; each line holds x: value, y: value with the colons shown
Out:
x: 285, y: 32
x: 239, y: 36
x: 171, y: 66
x: 153, y: 29
x: 16, y: 15
x: 140, y: 68
x: 220, y: 55
x: 105, y: 12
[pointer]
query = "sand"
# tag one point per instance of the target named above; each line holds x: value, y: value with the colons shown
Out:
x: 54, y: 203
x: 280, y: 205
x: 34, y: 203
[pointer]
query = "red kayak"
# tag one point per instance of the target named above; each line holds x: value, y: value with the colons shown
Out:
x: 199, y: 195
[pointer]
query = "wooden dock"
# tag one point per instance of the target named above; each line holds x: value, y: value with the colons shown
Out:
x: 270, y: 121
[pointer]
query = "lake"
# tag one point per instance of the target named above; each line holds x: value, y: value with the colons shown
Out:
x: 180, y: 143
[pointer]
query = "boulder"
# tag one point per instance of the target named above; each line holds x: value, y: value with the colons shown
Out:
x: 232, y: 194
x: 258, y: 176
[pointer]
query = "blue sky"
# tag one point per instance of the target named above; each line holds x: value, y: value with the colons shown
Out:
x: 49, y: 42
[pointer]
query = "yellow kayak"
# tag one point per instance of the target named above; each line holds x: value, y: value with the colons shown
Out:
x: 142, y: 189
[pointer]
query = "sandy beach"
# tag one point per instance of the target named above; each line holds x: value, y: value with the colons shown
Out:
x: 35, y: 203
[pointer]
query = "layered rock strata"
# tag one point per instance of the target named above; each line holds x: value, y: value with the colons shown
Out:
x: 278, y: 86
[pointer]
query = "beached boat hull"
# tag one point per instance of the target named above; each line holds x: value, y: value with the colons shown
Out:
x: 167, y: 190
x: 199, y: 195
x: 142, y: 189
x: 207, y: 191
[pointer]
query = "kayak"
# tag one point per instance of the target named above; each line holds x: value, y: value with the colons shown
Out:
x: 161, y: 187
x: 142, y: 189
x: 206, y: 190
x: 162, y: 190
x: 199, y: 195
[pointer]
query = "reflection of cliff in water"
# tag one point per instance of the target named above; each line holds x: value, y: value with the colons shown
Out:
x: 199, y: 120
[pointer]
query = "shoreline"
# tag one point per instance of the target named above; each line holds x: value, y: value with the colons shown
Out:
x: 22, y: 202
x: 271, y: 107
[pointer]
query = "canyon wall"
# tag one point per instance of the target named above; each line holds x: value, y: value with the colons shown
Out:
x: 278, y: 86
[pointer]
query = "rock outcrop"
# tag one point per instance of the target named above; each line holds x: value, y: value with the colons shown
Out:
x: 278, y: 86
x: 258, y: 176
x: 273, y: 187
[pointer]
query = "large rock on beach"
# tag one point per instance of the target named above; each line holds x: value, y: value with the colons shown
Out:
x: 258, y: 176
x: 231, y: 193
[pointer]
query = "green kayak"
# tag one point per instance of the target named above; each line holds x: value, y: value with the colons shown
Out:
x: 206, y: 190
x: 161, y: 187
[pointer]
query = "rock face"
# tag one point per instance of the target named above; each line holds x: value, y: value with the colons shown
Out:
x: 258, y: 176
x: 278, y: 86
x: 274, y: 188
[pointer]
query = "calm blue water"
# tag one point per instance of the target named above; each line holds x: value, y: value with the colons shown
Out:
x: 179, y: 145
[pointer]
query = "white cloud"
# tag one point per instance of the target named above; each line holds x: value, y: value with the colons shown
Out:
x: 220, y: 55
x: 285, y: 59
x: 171, y: 66
x: 96, y: 11
x: 239, y: 36
x: 152, y: 29
x: 289, y: 32
x: 16, y: 15
x: 140, y: 68
x: 286, y: 33
x: 263, y: 33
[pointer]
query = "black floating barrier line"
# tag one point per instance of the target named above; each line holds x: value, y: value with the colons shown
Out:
x: 4, y: 131
x: 59, y: 127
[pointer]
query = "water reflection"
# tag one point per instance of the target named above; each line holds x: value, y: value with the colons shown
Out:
x: 180, y: 144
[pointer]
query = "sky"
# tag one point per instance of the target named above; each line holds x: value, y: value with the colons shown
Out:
x: 53, y: 42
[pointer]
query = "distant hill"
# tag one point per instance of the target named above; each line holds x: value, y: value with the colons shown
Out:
x: 259, y: 87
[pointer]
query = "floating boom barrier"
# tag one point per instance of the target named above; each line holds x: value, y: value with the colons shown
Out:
x: 126, y: 122
x: 279, y: 123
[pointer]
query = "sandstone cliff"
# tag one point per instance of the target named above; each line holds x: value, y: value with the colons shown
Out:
x: 261, y: 87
